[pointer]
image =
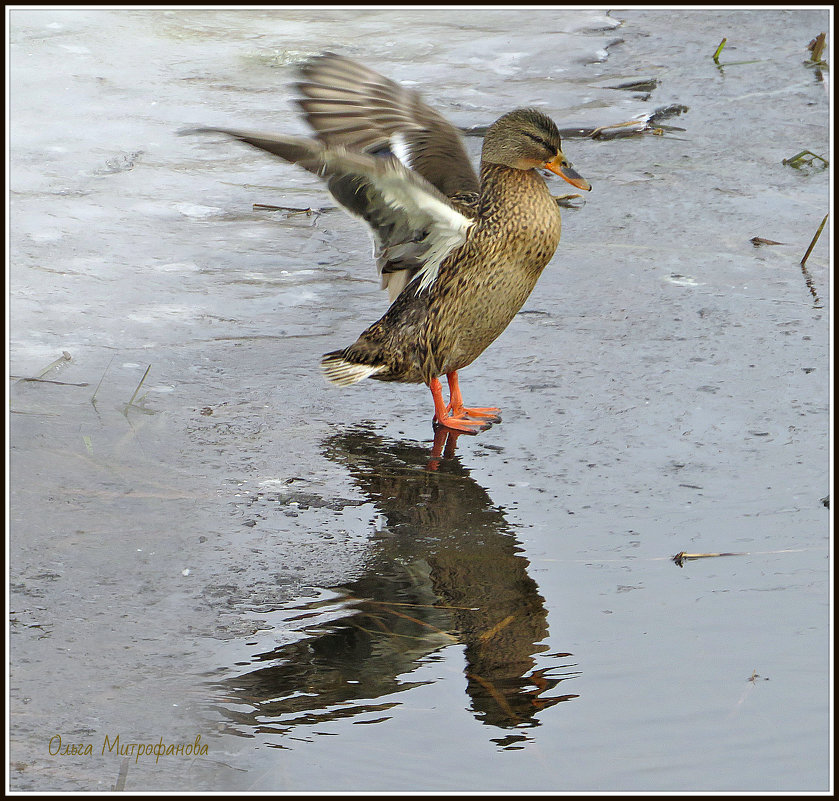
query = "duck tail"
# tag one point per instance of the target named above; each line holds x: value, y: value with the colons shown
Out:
x: 340, y: 369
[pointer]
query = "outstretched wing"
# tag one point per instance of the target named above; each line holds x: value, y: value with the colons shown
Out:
x: 352, y: 106
x: 414, y: 225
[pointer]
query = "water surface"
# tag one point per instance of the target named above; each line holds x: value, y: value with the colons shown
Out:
x: 295, y: 574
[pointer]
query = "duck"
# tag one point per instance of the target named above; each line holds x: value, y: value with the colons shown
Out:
x: 458, y: 252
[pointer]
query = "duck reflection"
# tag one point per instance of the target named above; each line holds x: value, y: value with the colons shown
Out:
x: 446, y: 570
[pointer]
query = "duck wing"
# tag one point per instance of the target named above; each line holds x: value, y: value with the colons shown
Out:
x: 350, y: 105
x: 414, y: 225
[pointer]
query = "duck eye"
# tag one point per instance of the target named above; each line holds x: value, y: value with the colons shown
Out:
x: 538, y: 140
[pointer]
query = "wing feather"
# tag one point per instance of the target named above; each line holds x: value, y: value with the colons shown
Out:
x: 337, y: 92
x: 414, y: 225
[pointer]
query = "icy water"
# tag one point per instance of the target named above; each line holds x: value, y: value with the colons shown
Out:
x: 207, y: 542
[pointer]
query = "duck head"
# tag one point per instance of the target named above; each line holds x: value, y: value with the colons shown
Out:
x: 527, y: 139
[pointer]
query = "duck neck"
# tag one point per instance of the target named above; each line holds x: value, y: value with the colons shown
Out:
x: 501, y: 185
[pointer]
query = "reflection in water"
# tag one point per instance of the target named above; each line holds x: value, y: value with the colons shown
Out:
x: 446, y: 570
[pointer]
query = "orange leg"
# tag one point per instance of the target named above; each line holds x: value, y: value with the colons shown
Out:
x: 457, y: 408
x: 455, y: 416
x: 442, y: 416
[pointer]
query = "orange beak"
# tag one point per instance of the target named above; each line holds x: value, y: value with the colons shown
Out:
x: 561, y: 167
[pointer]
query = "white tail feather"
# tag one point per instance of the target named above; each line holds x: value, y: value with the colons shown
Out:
x: 343, y: 373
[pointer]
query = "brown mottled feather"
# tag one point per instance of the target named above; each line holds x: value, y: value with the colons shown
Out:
x: 480, y: 287
x: 351, y: 106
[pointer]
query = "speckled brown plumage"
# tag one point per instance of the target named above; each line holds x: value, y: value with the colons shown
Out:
x: 479, y: 289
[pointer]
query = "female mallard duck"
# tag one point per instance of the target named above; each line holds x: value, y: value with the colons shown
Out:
x: 457, y: 255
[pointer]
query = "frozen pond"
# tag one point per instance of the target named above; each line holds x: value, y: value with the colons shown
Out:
x: 237, y: 552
